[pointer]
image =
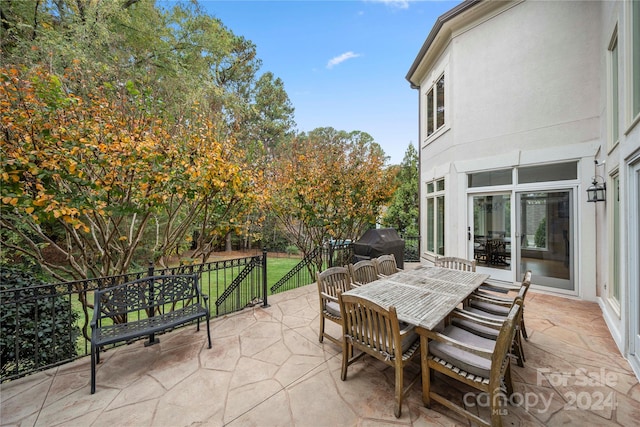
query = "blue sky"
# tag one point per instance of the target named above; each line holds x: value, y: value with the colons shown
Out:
x: 343, y: 63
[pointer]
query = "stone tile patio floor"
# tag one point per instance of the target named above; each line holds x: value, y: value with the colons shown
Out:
x: 267, y: 368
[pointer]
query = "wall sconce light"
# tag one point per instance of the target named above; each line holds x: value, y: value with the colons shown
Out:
x: 597, y: 191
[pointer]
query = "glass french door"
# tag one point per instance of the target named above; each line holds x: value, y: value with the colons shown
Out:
x: 544, y: 240
x: 491, y: 235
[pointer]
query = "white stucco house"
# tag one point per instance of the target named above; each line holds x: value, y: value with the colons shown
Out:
x: 522, y: 105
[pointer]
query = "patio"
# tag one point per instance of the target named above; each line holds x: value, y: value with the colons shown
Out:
x: 267, y: 368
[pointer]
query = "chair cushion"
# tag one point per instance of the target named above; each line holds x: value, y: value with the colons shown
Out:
x: 410, y: 337
x: 333, y: 308
x: 490, y: 308
x: 460, y: 358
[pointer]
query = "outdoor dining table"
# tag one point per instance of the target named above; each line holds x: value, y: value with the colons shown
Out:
x: 423, y: 296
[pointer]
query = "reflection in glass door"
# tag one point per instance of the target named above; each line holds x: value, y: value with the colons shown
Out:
x: 492, y: 234
x: 545, y: 238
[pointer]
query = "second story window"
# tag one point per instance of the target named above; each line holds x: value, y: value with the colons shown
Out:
x: 435, y: 106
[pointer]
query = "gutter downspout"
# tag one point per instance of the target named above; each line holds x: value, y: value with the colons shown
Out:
x: 419, y: 149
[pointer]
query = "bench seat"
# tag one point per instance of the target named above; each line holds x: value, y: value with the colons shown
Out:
x: 143, y: 307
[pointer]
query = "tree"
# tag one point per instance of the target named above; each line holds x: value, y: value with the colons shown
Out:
x: 328, y: 184
x: 177, y: 67
x: 403, y: 212
x: 96, y: 182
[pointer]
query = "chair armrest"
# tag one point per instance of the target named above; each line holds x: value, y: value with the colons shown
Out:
x: 329, y: 297
x: 439, y: 337
x: 96, y: 310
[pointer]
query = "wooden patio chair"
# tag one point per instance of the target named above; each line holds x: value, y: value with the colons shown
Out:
x: 386, y: 265
x: 462, y: 321
x: 330, y: 282
x: 455, y: 263
x: 499, y: 305
x: 478, y: 362
x: 375, y: 330
x: 363, y: 272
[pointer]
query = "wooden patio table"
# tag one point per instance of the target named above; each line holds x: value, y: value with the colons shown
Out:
x: 423, y: 296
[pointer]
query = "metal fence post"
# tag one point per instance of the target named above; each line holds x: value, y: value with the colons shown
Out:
x: 264, y: 278
x: 152, y: 337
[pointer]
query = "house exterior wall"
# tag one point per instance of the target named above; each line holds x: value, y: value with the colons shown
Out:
x: 522, y: 88
x: 621, y: 158
x: 528, y: 83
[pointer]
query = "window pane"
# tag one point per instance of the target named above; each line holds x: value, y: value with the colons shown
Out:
x: 440, y: 225
x: 484, y: 179
x: 614, y: 92
x: 430, y: 128
x: 544, y: 173
x: 635, y: 44
x: 440, y: 185
x: 430, y: 222
x: 440, y: 101
x: 615, y: 289
x: 430, y: 187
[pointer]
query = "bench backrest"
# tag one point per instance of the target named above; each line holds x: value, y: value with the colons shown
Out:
x: 153, y: 294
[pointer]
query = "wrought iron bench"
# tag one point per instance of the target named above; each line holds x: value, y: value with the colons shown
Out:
x: 143, y: 307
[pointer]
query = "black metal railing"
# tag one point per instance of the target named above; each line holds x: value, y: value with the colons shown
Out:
x: 51, y: 325
x: 304, y: 273
x: 51, y: 322
x: 301, y: 274
x: 411, y: 248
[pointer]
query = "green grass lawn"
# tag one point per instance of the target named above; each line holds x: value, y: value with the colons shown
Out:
x: 278, y: 267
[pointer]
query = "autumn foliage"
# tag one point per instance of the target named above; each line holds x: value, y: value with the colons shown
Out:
x: 97, y: 179
x: 329, y: 184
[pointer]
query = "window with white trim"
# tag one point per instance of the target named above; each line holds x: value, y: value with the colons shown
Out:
x: 435, y: 217
x: 614, y: 127
x: 635, y: 56
x: 614, y: 241
x: 435, y: 106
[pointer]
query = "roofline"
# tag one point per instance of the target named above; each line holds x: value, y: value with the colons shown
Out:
x: 442, y: 19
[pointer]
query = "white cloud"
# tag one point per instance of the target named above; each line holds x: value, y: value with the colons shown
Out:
x: 341, y: 58
x: 401, y: 4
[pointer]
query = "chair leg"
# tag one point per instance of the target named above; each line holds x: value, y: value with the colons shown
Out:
x: 208, y: 333
x: 94, y: 349
x: 519, y: 350
x: 426, y: 371
x: 347, y: 350
x: 496, y: 405
x: 321, y: 335
x: 508, y: 382
x: 524, y: 330
x: 399, y: 386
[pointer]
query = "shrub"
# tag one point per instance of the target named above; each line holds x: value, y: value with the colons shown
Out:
x: 37, y: 324
x: 540, y: 237
x: 292, y: 250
